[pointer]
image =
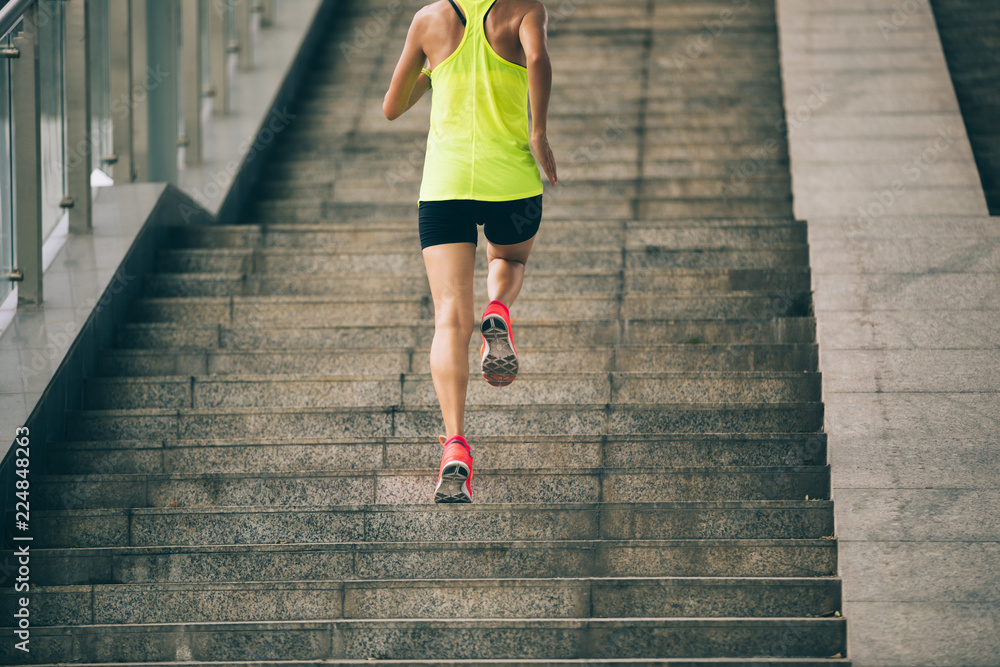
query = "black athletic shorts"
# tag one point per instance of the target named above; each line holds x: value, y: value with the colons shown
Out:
x: 455, y: 220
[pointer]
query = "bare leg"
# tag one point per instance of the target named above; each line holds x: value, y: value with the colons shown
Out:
x: 450, y: 268
x: 506, y: 270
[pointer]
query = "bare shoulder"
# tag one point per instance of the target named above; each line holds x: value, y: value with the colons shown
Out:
x: 434, y: 11
x: 429, y: 21
x: 534, y: 9
x: 423, y: 14
x: 427, y: 16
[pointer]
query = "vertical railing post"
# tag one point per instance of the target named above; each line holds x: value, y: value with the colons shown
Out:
x: 267, y: 13
x: 162, y: 89
x: 244, y: 33
x: 120, y: 55
x: 25, y: 107
x: 78, y: 130
x: 191, y: 80
x: 140, y: 91
x: 218, y: 43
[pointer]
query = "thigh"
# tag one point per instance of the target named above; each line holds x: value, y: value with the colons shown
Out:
x: 450, y: 269
x: 514, y: 222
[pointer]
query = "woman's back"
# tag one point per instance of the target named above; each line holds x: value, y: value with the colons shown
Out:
x: 502, y: 29
x: 478, y: 141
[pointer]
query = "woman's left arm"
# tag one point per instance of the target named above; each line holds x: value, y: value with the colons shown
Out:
x: 408, y: 83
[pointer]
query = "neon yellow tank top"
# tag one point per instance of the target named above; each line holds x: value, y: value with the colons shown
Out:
x: 477, y: 145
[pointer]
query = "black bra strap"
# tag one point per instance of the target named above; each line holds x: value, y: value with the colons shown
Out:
x: 458, y: 11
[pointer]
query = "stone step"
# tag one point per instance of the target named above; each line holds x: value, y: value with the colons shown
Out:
x: 534, y: 386
x: 673, y: 71
x: 368, y: 182
x: 581, y: 139
x: 351, y: 561
x: 606, y: 358
x: 403, y: 234
x: 556, y: 209
x: 678, y: 81
x: 405, y: 160
x: 285, y: 261
x: 353, y: 215
x: 768, y: 102
x: 750, y: 331
x: 425, y: 421
x: 621, y: 131
x: 287, y: 600
x: 778, y: 520
x: 386, y: 486
x: 260, y: 455
x: 569, y: 123
x: 574, y: 56
x: 376, y: 310
x: 661, y: 281
x: 623, y: 44
x: 658, y: 662
x: 366, y: 117
x: 408, y: 640
x: 697, y: 175
x: 718, y: 169
x: 769, y: 207
x: 402, y: 187
x: 615, y: 139
x: 558, y: 232
x: 663, y: 84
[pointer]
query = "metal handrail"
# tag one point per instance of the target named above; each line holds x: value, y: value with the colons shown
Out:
x: 11, y: 13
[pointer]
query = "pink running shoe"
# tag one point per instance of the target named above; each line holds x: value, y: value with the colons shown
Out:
x: 455, y: 475
x: 498, y: 353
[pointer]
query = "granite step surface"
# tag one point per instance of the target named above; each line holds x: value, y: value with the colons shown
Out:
x: 309, y: 390
x: 377, y: 310
x: 407, y: 640
x: 658, y: 662
x: 287, y: 454
x: 599, y: 282
x: 334, y: 213
x: 387, y: 486
x: 375, y: 238
x: 648, y: 255
x: 749, y: 331
x: 511, y: 522
x: 790, y: 357
x: 475, y: 559
x: 562, y: 598
x: 348, y: 238
x: 598, y: 419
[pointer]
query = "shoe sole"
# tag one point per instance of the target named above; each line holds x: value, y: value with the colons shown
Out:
x: 499, y: 358
x: 451, y: 487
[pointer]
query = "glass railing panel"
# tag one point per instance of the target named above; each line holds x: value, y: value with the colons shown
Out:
x: 6, y: 178
x: 206, y: 56
x: 101, y: 125
x: 52, y: 117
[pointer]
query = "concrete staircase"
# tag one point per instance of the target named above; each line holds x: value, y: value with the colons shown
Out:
x: 252, y: 479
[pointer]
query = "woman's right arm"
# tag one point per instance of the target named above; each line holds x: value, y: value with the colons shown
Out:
x: 534, y: 41
x: 408, y: 83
